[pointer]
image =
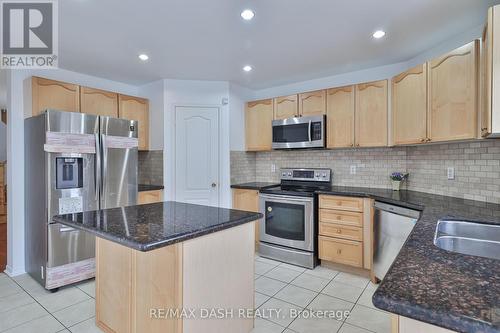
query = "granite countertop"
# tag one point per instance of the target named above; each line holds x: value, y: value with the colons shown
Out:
x: 255, y: 185
x: 152, y: 226
x: 451, y: 290
x: 149, y: 187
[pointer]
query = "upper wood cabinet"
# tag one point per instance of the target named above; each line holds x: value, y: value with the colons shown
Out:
x: 490, y: 98
x: 409, y: 106
x: 98, y: 102
x: 453, y: 94
x: 258, y: 125
x: 312, y: 103
x: 371, y: 114
x: 286, y: 107
x: 340, y: 117
x: 51, y: 94
x: 135, y: 108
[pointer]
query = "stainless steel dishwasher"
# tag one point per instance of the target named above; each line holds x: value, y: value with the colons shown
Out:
x: 392, y: 225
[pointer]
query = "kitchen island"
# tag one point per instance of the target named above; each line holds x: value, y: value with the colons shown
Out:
x: 171, y: 267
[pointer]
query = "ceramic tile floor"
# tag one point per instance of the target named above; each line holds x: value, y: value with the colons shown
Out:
x: 27, y: 307
x: 283, y: 286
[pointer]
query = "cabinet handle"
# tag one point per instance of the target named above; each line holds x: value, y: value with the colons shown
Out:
x: 352, y: 144
x: 428, y: 140
x: 339, y: 231
x: 357, y: 145
x: 339, y: 251
x: 422, y: 140
x: 484, y: 129
x: 339, y: 217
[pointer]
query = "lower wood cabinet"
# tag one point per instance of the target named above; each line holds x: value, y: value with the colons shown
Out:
x: 341, y: 251
x: 400, y: 324
x: 146, y: 197
x: 346, y: 230
x: 248, y: 200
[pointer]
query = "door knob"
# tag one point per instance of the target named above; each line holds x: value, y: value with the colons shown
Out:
x: 214, y: 185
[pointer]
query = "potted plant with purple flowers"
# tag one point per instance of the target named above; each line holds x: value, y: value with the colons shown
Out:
x: 397, y: 178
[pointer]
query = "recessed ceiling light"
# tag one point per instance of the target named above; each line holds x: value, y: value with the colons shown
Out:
x: 379, y: 34
x: 143, y: 57
x: 247, y: 68
x: 247, y: 14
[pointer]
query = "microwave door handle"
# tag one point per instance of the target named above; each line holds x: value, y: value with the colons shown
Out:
x: 309, y: 130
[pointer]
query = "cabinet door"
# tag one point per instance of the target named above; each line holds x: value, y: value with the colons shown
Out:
x: 409, y: 106
x: 98, y: 102
x: 312, y: 103
x: 147, y: 197
x: 371, y: 114
x: 490, y: 121
x: 135, y: 108
x: 452, y: 95
x: 340, y: 117
x: 51, y: 94
x: 247, y: 200
x: 258, y: 125
x: 286, y: 107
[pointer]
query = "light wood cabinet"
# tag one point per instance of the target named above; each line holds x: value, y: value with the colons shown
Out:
x: 258, y: 125
x: 135, y: 108
x: 340, y: 117
x: 147, y: 197
x: 346, y: 231
x: 371, y: 114
x: 453, y: 95
x: 286, y: 107
x: 312, y: 103
x: 341, y: 203
x: 342, y: 251
x: 409, y: 106
x: 490, y: 70
x: 248, y: 200
x: 98, y: 102
x: 51, y: 94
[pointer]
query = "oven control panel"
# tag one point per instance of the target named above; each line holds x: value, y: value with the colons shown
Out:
x: 314, y: 175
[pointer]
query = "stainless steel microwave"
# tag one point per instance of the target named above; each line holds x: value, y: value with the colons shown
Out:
x: 302, y: 132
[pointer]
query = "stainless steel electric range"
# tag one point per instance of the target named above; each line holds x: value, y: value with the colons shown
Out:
x: 288, y: 230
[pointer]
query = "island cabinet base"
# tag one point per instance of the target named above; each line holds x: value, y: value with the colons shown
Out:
x: 139, y: 291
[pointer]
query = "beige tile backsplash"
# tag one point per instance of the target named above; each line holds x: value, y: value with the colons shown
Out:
x: 476, y: 164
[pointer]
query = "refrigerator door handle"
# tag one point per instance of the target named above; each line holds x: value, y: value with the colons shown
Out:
x: 104, y: 165
x: 97, y: 176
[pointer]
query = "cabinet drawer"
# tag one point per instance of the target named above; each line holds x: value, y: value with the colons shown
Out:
x: 341, y: 231
x: 341, y: 203
x: 341, y: 251
x: 341, y: 217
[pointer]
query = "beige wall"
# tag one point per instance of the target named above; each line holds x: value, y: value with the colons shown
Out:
x: 477, y: 167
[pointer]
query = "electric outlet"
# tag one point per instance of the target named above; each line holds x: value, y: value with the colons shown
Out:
x: 273, y: 168
x: 353, y: 170
x: 451, y: 173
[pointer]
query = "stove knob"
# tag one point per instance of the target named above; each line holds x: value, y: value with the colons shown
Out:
x: 289, y: 174
x: 324, y: 175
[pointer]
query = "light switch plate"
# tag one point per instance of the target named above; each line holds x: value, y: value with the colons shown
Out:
x: 451, y: 173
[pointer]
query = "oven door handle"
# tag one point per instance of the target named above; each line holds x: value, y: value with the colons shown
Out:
x: 286, y: 197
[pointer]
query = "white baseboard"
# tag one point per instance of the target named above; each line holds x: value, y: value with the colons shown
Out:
x: 13, y: 272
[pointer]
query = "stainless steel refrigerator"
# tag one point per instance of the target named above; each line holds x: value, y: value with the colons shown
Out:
x: 74, y: 162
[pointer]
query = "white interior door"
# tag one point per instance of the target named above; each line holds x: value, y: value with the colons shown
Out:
x: 197, y: 155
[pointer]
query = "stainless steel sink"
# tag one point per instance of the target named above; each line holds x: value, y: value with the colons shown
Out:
x: 476, y: 239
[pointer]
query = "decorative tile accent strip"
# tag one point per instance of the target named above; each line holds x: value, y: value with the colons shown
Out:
x: 120, y: 142
x: 69, y: 143
x: 70, y: 273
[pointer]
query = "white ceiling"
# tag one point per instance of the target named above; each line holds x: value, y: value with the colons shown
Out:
x: 288, y: 40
